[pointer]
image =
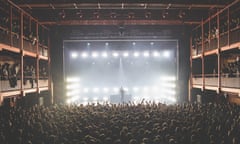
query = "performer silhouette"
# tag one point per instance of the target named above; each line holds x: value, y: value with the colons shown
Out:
x: 122, y: 94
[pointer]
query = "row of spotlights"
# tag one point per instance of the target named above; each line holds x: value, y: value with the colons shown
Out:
x: 124, y: 54
x: 133, y: 43
x: 115, y: 89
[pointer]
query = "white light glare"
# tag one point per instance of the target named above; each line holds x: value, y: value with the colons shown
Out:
x: 136, y: 54
x: 106, y: 44
x: 125, y: 54
x: 84, y: 55
x: 145, y: 89
x: 115, y: 54
x: 146, y: 54
x: 72, y: 79
x: 115, y: 89
x: 156, y: 54
x: 170, y: 92
x: 74, y: 55
x: 85, y: 90
x: 85, y: 98
x: 104, y: 54
x: 94, y: 54
x: 166, y: 54
x: 170, y: 85
x: 172, y: 99
x: 125, y: 89
x: 134, y: 43
x: 105, y: 90
x: 168, y: 78
x: 105, y: 98
x: 72, y: 92
x: 73, y: 86
x: 135, y: 89
x: 96, y: 90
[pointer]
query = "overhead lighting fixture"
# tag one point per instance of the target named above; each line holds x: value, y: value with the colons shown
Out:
x: 156, y: 54
x: 84, y: 55
x: 134, y: 43
x: 125, y: 54
x: 115, y: 54
x: 136, y: 54
x: 88, y: 44
x: 146, y: 54
x: 96, y: 90
x: 74, y: 55
x: 85, y: 90
x: 106, y: 44
x: 105, y: 90
x: 94, y: 54
x: 166, y: 54
x: 104, y: 55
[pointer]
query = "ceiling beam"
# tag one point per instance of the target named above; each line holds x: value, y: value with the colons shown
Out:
x: 120, y: 22
x: 120, y: 6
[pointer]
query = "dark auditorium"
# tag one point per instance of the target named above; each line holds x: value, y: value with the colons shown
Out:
x: 119, y: 72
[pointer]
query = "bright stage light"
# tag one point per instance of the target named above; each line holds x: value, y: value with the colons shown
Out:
x: 115, y: 89
x: 85, y: 98
x: 156, y: 54
x: 169, y: 91
x: 73, y: 86
x: 106, y: 44
x: 146, y: 54
x: 168, y: 78
x: 104, y: 55
x: 134, y: 43
x: 136, y: 54
x: 94, y: 54
x: 169, y: 85
x: 115, y: 54
x: 166, y: 54
x: 172, y: 99
x: 105, y: 98
x: 72, y: 99
x: 96, y: 90
x: 125, y: 54
x: 84, y: 55
x: 135, y: 89
x: 85, y: 90
x: 105, y: 90
x: 72, y: 92
x: 155, y: 88
x: 152, y: 43
x: 74, y: 55
x: 88, y: 44
x: 72, y: 79
x: 125, y: 89
x: 145, y: 89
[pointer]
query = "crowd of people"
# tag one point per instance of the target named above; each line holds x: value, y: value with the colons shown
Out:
x: 231, y: 68
x: 148, y: 123
x: 11, y: 72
